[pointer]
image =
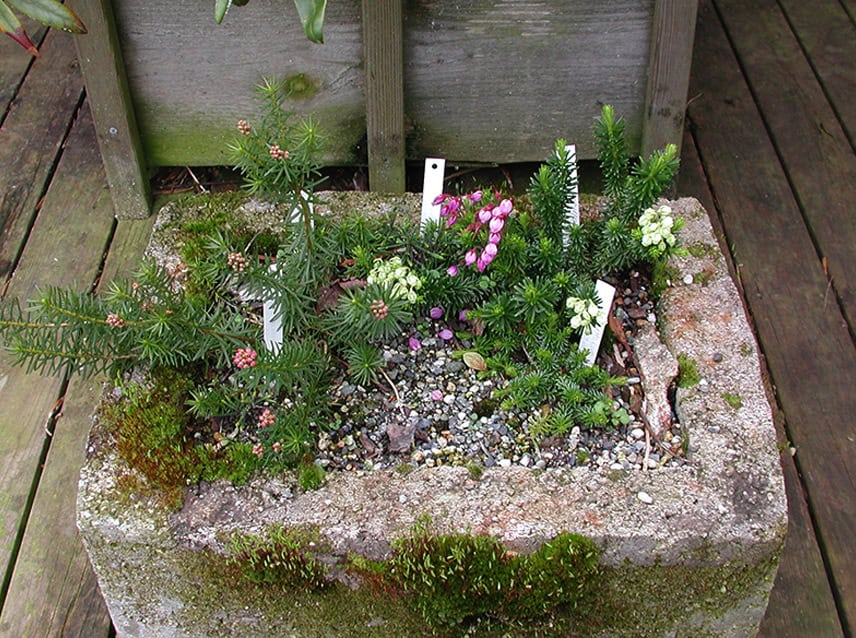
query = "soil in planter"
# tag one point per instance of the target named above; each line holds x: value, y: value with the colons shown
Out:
x: 442, y: 413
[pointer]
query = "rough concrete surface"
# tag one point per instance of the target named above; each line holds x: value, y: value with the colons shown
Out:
x: 726, y: 504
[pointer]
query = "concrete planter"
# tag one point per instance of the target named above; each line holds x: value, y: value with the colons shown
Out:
x: 687, y: 551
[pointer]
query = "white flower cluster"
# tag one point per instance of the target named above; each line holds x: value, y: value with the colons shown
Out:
x: 656, y: 226
x: 403, y: 282
x: 586, y: 313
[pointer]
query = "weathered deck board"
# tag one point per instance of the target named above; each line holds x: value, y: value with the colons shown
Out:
x: 806, y: 342
x: 814, y: 149
x: 31, y: 137
x: 801, y: 603
x: 14, y: 62
x: 68, y: 603
x: 53, y: 591
x: 829, y: 39
x: 26, y: 402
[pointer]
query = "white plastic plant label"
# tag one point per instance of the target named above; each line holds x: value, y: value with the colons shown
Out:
x: 296, y: 216
x: 432, y: 187
x: 272, y: 321
x: 591, y: 339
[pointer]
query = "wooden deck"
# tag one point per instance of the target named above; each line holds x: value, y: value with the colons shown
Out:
x: 769, y: 151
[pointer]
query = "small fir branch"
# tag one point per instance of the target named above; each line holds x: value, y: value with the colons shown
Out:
x: 612, y: 154
x: 550, y: 192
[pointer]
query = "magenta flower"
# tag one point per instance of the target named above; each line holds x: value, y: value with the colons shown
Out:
x: 462, y: 315
x: 442, y: 197
x: 485, y: 215
x: 489, y: 250
x: 452, y: 270
x: 470, y: 257
x: 494, y: 238
x: 481, y: 264
x: 505, y: 207
x: 475, y: 196
x: 436, y: 395
x: 496, y: 224
x: 414, y: 343
x: 445, y: 334
x: 436, y: 312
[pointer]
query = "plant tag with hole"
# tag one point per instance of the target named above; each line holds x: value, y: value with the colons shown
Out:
x: 590, y: 340
x: 432, y: 187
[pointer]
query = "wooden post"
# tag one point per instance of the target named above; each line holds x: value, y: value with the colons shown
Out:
x: 668, y: 73
x: 384, y: 62
x: 115, y: 125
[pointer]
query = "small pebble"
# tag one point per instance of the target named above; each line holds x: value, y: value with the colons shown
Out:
x: 645, y: 498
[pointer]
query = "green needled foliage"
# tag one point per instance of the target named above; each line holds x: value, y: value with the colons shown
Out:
x: 551, y: 193
x: 279, y: 157
x: 145, y: 321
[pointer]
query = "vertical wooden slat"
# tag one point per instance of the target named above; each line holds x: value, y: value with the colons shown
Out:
x: 384, y: 60
x: 668, y: 73
x: 115, y: 123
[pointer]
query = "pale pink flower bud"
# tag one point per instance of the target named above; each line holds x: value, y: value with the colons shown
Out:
x: 496, y: 224
x: 470, y: 257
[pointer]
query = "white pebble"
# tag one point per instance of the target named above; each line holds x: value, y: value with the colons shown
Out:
x: 645, y: 498
x: 504, y: 463
x: 688, y: 279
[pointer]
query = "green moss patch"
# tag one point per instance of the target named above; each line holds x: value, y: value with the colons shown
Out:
x: 733, y: 400
x: 688, y: 375
x: 150, y: 425
x: 622, y: 602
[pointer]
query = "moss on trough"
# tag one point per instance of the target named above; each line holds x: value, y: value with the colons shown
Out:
x: 210, y: 598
